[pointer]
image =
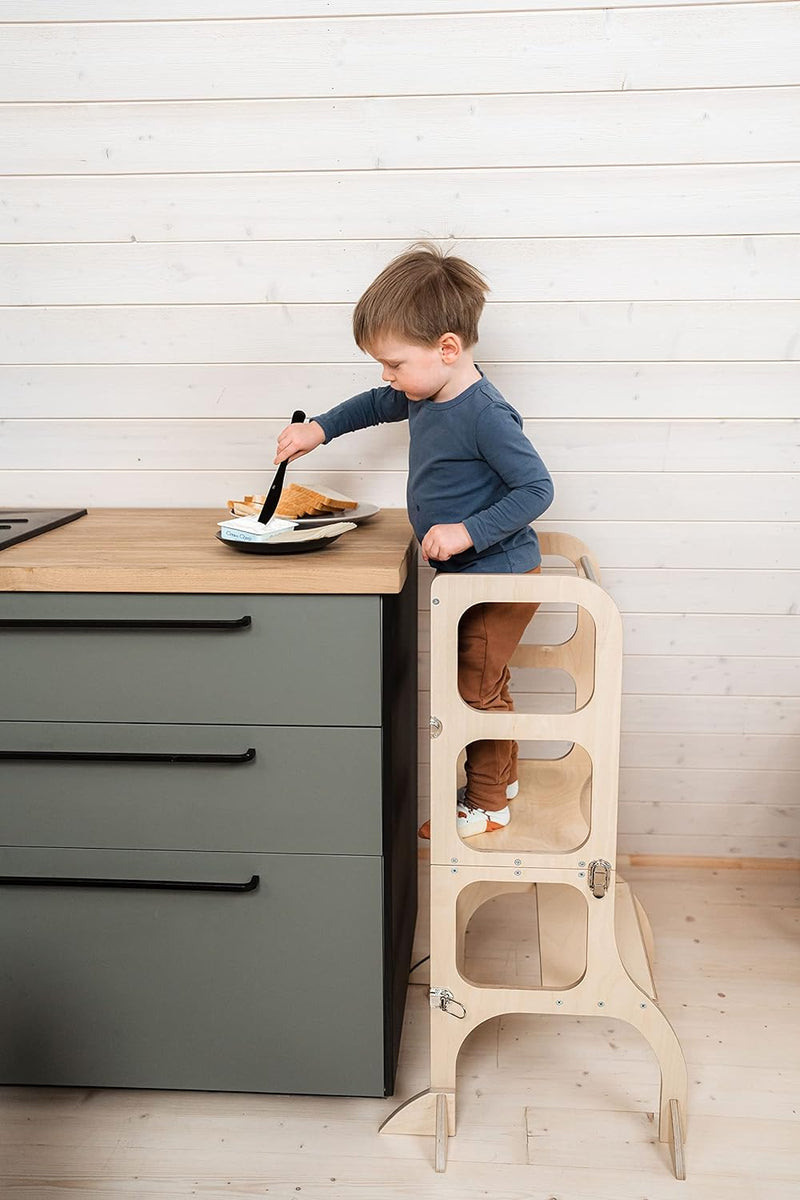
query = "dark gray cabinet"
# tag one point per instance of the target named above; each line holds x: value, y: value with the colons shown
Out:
x: 207, y: 839
x: 272, y: 988
x: 271, y: 789
x: 264, y: 660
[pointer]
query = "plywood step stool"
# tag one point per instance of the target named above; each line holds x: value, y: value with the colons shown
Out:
x: 594, y: 938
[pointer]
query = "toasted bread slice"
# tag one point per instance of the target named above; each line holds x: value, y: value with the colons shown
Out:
x: 299, y: 501
x: 293, y: 502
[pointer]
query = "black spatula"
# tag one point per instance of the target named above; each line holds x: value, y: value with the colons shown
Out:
x: 274, y: 493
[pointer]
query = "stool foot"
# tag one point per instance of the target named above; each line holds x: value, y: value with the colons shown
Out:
x: 420, y: 1115
x: 676, y: 1140
x: 440, y: 1159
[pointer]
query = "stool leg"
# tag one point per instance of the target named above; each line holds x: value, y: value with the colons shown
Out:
x: 451, y: 904
x: 644, y: 1014
x: 674, y: 1085
x: 674, y: 1079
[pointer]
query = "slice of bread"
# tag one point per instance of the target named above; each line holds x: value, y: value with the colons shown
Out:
x: 240, y: 509
x: 334, y: 499
x: 298, y: 501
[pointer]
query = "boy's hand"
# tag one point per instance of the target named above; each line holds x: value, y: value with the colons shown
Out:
x: 296, y: 440
x: 443, y: 541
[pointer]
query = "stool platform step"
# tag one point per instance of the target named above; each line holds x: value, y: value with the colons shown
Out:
x: 552, y: 812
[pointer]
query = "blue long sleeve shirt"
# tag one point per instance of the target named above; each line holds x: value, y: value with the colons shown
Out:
x: 469, y: 461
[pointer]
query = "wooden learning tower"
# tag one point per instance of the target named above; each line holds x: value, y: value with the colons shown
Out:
x: 595, y: 942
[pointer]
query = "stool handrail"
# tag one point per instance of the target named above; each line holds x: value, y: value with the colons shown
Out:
x: 588, y: 569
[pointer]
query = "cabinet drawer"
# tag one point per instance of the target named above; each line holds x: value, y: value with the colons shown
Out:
x: 266, y: 660
x: 276, y: 986
x: 209, y: 787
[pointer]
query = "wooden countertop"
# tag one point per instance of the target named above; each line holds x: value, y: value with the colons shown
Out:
x: 175, y: 550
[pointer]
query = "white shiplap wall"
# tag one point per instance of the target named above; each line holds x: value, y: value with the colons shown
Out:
x: 195, y: 192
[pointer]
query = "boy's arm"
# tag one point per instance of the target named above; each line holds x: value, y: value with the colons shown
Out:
x: 504, y: 446
x: 376, y: 407
x: 359, y: 412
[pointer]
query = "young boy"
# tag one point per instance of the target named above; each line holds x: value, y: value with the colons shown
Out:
x: 475, y: 482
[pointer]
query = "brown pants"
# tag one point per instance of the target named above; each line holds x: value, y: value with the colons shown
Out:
x: 488, y: 635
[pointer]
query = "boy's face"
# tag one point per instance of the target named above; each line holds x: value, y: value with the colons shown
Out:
x: 419, y: 371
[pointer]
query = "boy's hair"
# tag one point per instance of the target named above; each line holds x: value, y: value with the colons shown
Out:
x: 422, y: 294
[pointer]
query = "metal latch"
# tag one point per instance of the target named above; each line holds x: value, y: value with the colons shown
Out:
x: 436, y: 726
x: 599, y: 877
x: 444, y: 999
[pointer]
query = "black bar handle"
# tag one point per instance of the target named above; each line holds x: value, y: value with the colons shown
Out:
x: 66, y: 623
x: 246, y: 756
x: 171, y: 885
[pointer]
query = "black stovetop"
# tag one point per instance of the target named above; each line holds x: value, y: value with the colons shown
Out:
x: 18, y: 524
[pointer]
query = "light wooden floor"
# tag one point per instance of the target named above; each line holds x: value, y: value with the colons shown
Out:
x: 552, y: 1108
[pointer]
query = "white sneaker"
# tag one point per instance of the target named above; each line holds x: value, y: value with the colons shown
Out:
x: 465, y: 819
x: 472, y: 821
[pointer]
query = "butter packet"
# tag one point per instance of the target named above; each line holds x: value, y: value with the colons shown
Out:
x: 250, y: 529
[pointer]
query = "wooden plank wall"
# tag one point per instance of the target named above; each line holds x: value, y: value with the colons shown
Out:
x: 195, y: 192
